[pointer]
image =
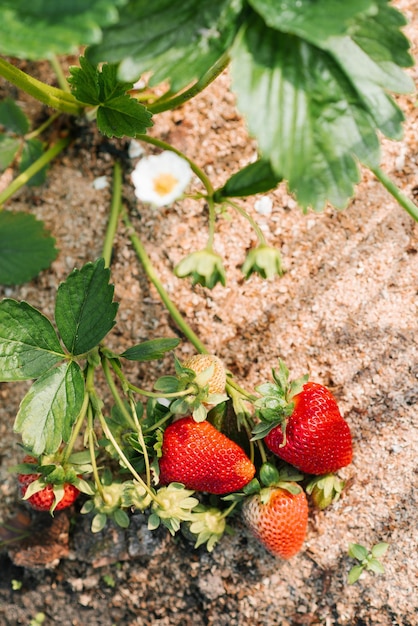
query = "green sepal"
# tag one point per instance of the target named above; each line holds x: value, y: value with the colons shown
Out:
x: 151, y: 350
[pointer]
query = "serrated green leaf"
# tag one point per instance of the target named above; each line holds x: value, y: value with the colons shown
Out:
x: 50, y: 407
x: 257, y: 177
x: 117, y: 113
x: 177, y: 42
x: 357, y: 551
x: 84, y: 308
x: 29, y: 345
x: 32, y: 150
x: 12, y: 117
x: 354, y: 574
x: 26, y: 247
x: 9, y: 147
x: 324, y: 107
x: 151, y: 350
x: 39, y: 29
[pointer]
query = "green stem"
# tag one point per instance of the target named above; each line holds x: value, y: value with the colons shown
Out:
x: 114, y: 214
x: 38, y: 131
x: 76, y: 430
x: 390, y: 186
x: 229, y: 510
x: 255, y: 226
x: 166, y: 146
x: 160, y: 422
x: 56, y: 66
x: 51, y: 96
x: 142, y: 442
x: 168, y: 303
x: 165, y: 104
x: 122, y: 455
x: 212, y: 222
x: 114, y: 391
x: 91, y: 439
x: 33, y: 169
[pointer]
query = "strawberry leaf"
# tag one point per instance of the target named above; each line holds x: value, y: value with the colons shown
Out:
x: 29, y: 345
x: 26, y: 247
x: 117, y: 113
x: 257, y: 177
x: 32, y: 150
x: 12, y: 117
x: 49, y: 409
x: 84, y: 308
x: 9, y: 147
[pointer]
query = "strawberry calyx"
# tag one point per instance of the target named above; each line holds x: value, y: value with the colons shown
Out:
x: 277, y: 402
x: 325, y: 490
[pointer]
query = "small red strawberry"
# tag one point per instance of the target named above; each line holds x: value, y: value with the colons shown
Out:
x: 303, y: 425
x: 48, y: 497
x: 202, y: 458
x: 278, y: 518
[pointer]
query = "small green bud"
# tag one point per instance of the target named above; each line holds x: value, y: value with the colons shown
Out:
x: 205, y: 267
x: 263, y: 260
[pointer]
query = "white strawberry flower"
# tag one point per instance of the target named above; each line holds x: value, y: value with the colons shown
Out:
x: 161, y: 179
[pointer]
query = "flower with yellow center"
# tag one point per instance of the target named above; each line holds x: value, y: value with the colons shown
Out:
x: 161, y: 179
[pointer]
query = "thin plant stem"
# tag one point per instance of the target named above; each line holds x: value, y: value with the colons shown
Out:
x: 33, y: 169
x: 76, y: 430
x: 212, y: 222
x: 160, y: 422
x: 168, y: 303
x: 400, y: 197
x: 143, y: 446
x: 38, y: 131
x: 93, y: 453
x: 169, y: 103
x: 248, y: 217
x: 115, y: 393
x: 51, y: 96
x: 115, y: 209
x: 57, y: 67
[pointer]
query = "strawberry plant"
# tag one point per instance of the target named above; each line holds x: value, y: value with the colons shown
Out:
x: 313, y: 82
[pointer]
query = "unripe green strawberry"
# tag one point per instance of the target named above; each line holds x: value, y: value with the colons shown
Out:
x: 278, y: 519
x: 202, y: 362
x: 200, y: 457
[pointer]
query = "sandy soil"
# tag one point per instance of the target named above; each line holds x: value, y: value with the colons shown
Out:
x: 345, y: 311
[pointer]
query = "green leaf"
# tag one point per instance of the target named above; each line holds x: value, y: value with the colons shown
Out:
x: 29, y: 345
x: 26, y: 247
x: 12, y: 117
x: 357, y: 551
x: 312, y: 20
x: 177, y: 42
x: 380, y: 549
x: 32, y: 150
x: 117, y: 113
x: 36, y: 30
x: 50, y: 407
x: 354, y: 574
x: 84, y: 310
x: 98, y: 522
x: 167, y: 384
x: 325, y: 103
x: 9, y: 147
x: 375, y: 566
x: 121, y: 518
x: 257, y: 177
x: 151, y: 350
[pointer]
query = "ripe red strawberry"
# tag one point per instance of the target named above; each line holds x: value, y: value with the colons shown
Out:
x: 278, y: 519
x: 44, y: 499
x: 318, y: 439
x: 202, y: 458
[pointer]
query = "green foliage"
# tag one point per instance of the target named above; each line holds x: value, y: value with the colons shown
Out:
x: 151, y: 349
x: 37, y: 30
x: 369, y: 560
x: 117, y: 113
x: 84, y: 308
x: 257, y: 177
x: 26, y: 247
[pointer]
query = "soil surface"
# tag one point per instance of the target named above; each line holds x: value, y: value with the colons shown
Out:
x: 346, y: 311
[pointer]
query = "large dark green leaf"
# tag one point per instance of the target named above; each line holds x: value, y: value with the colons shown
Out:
x: 32, y: 151
x: 35, y: 30
x: 176, y: 41
x: 9, y: 147
x: 26, y: 247
x: 50, y: 407
x: 84, y: 307
x: 118, y: 114
x: 29, y: 345
x: 12, y: 117
x: 307, y: 113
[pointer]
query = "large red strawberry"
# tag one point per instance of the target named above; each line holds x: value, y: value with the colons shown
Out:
x: 314, y: 438
x: 49, y: 496
x: 202, y: 458
x: 278, y: 518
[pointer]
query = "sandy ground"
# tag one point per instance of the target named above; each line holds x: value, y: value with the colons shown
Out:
x: 345, y: 311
